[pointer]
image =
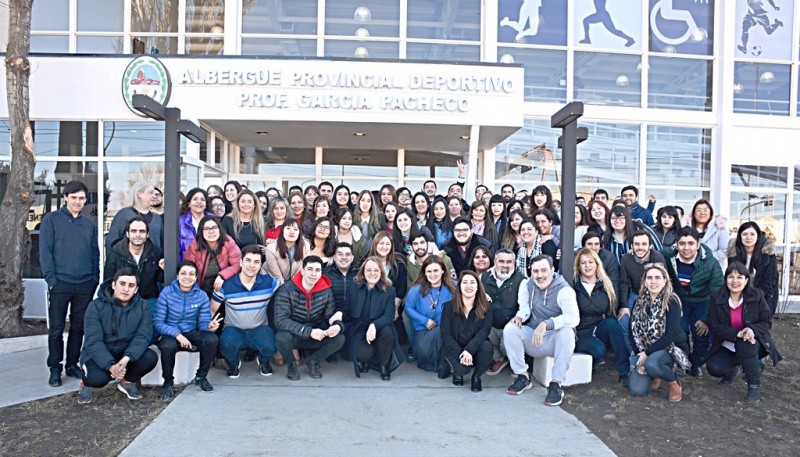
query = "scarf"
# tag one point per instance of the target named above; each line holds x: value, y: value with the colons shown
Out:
x: 522, y: 256
x: 478, y: 227
x: 648, y: 324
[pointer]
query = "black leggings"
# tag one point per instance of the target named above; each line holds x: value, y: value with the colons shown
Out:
x: 96, y: 376
x: 722, y: 362
x: 206, y: 343
x: 480, y: 360
x: 380, y: 351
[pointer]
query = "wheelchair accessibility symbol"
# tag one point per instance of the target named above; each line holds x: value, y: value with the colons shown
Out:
x: 669, y: 13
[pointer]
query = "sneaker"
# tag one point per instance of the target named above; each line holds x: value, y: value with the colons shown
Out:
x: 292, y: 372
x: 130, y: 389
x: 555, y: 394
x: 655, y: 383
x: 74, y: 371
x: 233, y: 371
x: 55, y: 377
x: 265, y: 368
x: 696, y: 371
x: 522, y: 384
x: 84, y: 395
x: 728, y: 380
x: 203, y: 384
x: 497, y: 367
x: 314, y: 369
x: 753, y: 392
x: 167, y: 391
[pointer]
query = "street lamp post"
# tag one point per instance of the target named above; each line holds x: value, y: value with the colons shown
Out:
x: 174, y: 127
x: 567, y: 120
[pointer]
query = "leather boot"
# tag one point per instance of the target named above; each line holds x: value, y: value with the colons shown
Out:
x: 675, y: 391
x: 655, y: 384
x: 476, y: 384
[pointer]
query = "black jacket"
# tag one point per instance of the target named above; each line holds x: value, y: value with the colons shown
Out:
x: 461, y: 333
x: 339, y: 283
x: 630, y: 275
x: 504, y: 297
x: 593, y: 308
x: 110, y: 327
x: 68, y: 249
x: 755, y: 315
x: 461, y: 263
x: 298, y: 311
x: 766, y: 277
x: 147, y: 270
x: 381, y: 313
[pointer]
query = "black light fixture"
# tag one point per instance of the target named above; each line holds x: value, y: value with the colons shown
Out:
x: 174, y: 127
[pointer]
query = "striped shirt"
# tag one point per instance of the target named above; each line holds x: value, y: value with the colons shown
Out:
x: 246, y: 309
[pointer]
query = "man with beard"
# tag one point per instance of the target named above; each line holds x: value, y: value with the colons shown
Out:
x: 137, y: 252
x: 464, y: 241
x: 550, y: 308
x: 507, y: 192
x: 158, y: 201
x: 503, y: 284
x: 420, y: 250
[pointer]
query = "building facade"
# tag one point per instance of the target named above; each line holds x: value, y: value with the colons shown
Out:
x: 687, y: 99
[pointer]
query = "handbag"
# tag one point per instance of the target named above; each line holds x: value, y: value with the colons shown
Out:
x: 680, y: 358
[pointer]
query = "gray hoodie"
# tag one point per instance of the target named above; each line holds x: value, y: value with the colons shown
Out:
x: 556, y: 305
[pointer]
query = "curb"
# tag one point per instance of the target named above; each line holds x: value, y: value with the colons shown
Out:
x: 22, y: 343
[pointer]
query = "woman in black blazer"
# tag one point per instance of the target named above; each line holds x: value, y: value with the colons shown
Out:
x: 371, y: 338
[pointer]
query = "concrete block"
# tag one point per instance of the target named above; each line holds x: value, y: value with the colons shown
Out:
x: 580, y: 370
x: 186, y: 364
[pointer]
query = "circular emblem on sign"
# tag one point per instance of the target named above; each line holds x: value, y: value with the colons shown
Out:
x: 146, y: 75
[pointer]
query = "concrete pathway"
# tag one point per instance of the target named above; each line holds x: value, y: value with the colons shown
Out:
x: 413, y: 414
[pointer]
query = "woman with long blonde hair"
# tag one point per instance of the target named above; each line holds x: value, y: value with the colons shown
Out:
x: 656, y: 336
x: 597, y: 304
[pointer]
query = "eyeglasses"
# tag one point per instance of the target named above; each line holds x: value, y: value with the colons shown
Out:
x: 218, y: 205
x: 211, y: 228
x: 617, y: 218
x: 324, y: 228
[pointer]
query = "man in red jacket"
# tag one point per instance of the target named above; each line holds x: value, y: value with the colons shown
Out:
x: 305, y: 318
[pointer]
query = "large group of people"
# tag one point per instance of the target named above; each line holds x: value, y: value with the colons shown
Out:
x: 380, y: 278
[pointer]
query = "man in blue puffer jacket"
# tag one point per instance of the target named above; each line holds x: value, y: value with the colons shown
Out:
x: 183, y: 321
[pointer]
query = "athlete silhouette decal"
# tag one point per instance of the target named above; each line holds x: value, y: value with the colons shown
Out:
x: 528, y: 16
x: 602, y: 16
x: 757, y: 14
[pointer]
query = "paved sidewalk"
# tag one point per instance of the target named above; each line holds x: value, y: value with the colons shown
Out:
x: 413, y: 414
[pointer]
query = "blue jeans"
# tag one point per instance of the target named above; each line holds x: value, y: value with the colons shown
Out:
x: 693, y: 312
x: 260, y: 338
x: 607, y: 332
x: 658, y: 365
x: 151, y: 306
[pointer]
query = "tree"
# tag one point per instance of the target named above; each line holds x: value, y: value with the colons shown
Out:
x: 18, y: 198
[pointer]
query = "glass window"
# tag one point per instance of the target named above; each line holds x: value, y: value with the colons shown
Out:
x: 135, y: 139
x: 154, y: 45
x: 607, y: 79
x: 49, y: 179
x: 766, y: 209
x: 678, y: 156
x: 204, y: 16
x: 608, y: 25
x: 758, y: 176
x: 764, y: 30
x: 680, y: 83
x: 346, y: 17
x: 100, y: 15
x: 360, y: 163
x: 154, y: 16
x: 5, y: 139
x: 532, y: 22
x: 794, y: 268
x: 529, y: 154
x: 291, y: 17
x: 610, y: 154
x: 442, y: 52
x: 49, y: 15
x: 424, y: 164
x: 684, y: 198
x: 682, y: 26
x: 208, y: 46
x: 761, y: 88
x: 796, y: 169
x: 280, y: 162
x: 360, y: 49
x: 545, y: 72
x: 279, y: 47
x: 119, y: 177
x: 49, y: 43
x: 65, y: 138
x: 99, y: 44
x: 444, y: 19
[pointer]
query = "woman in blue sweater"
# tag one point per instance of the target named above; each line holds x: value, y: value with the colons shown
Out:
x: 424, y: 304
